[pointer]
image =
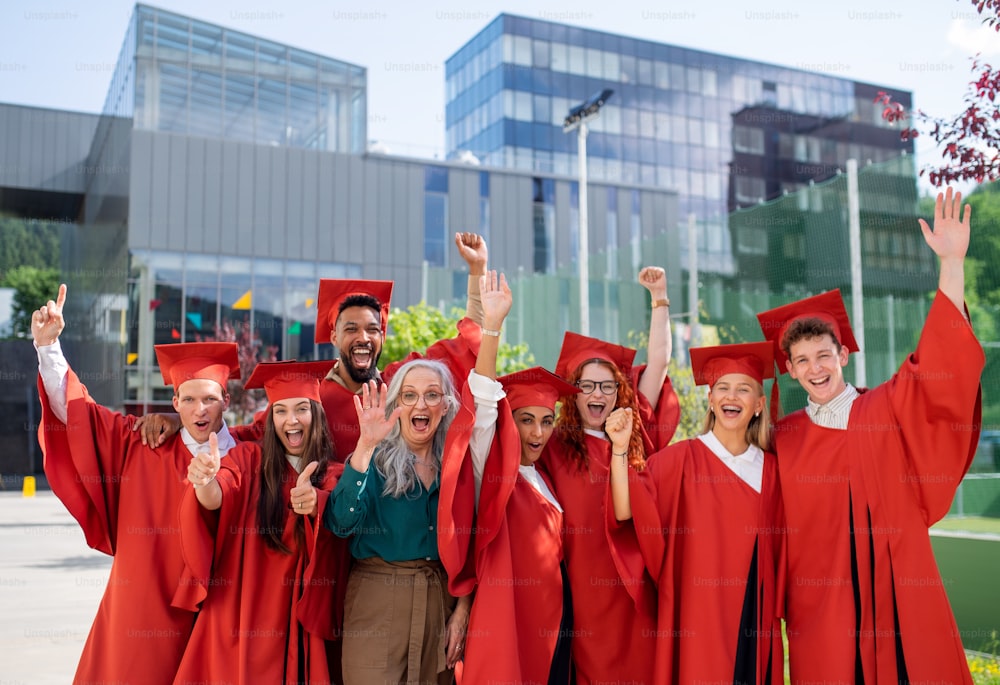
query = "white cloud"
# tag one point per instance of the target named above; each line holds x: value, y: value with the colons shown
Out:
x: 973, y: 38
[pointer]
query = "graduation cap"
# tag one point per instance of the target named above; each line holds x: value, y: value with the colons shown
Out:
x: 333, y: 292
x: 214, y: 361
x: 284, y: 380
x: 535, y: 387
x: 578, y: 349
x: 828, y: 307
x: 756, y: 360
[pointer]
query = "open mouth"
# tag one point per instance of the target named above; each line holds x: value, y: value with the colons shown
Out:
x: 820, y: 383
x: 294, y: 438
x: 202, y: 425
x: 595, y: 410
x: 361, y: 355
x: 731, y: 411
x: 420, y: 422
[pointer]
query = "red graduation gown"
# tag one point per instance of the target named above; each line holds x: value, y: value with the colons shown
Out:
x: 698, y: 525
x: 517, y: 549
x: 264, y: 614
x: 614, y: 622
x: 458, y: 354
x: 890, y: 476
x: 125, y: 497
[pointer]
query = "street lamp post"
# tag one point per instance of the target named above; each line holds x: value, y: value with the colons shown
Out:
x: 577, y: 120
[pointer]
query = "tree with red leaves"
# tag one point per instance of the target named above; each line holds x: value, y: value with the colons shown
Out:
x: 970, y: 141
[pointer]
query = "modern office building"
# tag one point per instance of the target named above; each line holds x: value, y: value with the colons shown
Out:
x: 678, y: 118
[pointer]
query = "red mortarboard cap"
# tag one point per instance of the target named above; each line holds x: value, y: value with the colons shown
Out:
x: 535, y: 387
x: 756, y: 360
x: 334, y: 291
x: 214, y: 361
x: 577, y: 349
x: 284, y: 380
x: 829, y: 307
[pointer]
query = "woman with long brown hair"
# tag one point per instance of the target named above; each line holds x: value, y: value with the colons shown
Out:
x: 269, y: 577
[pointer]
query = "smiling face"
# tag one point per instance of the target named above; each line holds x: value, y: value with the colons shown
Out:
x: 595, y: 406
x: 200, y: 403
x: 419, y: 422
x: 735, y: 399
x: 358, y: 337
x: 292, y: 420
x: 535, y: 426
x: 818, y: 365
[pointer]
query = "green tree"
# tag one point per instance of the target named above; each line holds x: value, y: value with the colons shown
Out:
x: 28, y: 242
x: 419, y: 326
x: 33, y: 287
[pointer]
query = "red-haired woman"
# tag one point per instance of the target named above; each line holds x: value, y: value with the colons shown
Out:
x: 613, y: 623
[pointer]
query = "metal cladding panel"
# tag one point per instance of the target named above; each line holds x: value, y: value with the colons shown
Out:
x: 343, y: 191
x: 230, y: 206
x: 244, y: 200
x: 140, y: 190
x: 159, y: 198
x: 326, y: 198
x: 297, y: 188
x: 279, y: 233
x: 263, y: 172
x: 193, y: 208
x: 213, y: 184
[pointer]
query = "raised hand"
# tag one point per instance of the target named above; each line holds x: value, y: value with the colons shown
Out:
x: 204, y: 465
x: 497, y: 299
x: 618, y: 426
x: 303, y: 497
x: 472, y: 247
x: 374, y: 424
x: 950, y: 235
x: 654, y: 279
x: 47, y: 321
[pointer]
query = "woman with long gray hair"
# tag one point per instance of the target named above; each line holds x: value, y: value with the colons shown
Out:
x: 400, y: 624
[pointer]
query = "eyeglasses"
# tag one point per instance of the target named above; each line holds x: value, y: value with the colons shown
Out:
x: 607, y: 387
x: 432, y: 398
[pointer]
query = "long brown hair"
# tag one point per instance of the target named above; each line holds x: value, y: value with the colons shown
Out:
x: 570, y: 424
x: 272, y: 506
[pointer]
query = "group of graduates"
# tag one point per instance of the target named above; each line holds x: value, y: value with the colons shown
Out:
x: 431, y: 522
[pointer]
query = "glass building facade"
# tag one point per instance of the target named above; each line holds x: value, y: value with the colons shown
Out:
x: 178, y: 74
x: 670, y: 122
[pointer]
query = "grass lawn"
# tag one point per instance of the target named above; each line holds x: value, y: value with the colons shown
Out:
x: 969, y: 524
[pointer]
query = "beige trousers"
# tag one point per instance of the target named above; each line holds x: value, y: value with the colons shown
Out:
x: 394, y: 623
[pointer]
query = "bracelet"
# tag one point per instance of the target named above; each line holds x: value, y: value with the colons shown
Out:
x: 663, y: 302
x: 623, y: 455
x: 487, y: 331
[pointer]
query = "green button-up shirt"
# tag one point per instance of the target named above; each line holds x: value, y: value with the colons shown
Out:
x: 391, y: 528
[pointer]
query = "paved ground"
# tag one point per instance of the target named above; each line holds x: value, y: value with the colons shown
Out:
x: 50, y: 586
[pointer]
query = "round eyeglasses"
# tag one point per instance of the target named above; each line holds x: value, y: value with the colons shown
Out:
x: 607, y: 387
x: 432, y: 398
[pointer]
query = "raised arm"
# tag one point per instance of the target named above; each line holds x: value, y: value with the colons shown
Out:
x: 618, y: 426
x: 47, y: 324
x: 950, y: 241
x: 486, y: 392
x: 472, y: 247
x: 654, y: 279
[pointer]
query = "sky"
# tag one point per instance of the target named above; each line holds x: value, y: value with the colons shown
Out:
x: 62, y: 53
